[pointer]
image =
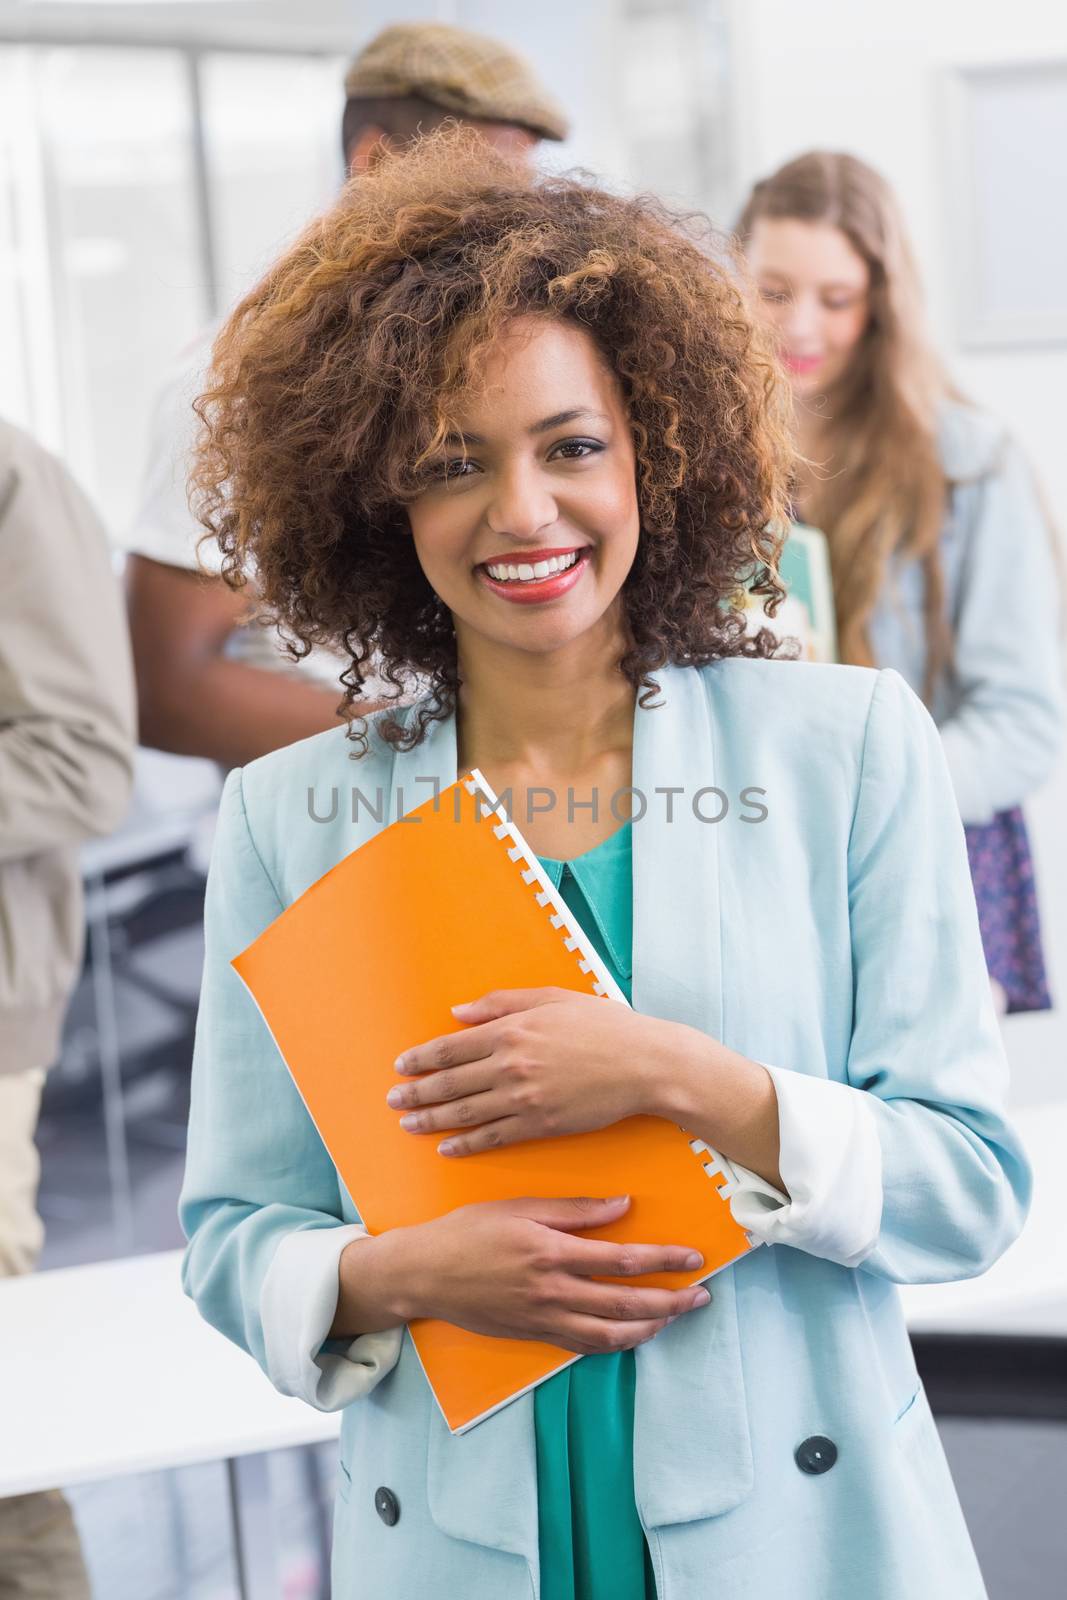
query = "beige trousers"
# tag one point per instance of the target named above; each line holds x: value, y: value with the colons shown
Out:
x: 40, y: 1554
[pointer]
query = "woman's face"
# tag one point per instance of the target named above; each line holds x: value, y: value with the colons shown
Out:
x: 814, y: 290
x: 529, y: 523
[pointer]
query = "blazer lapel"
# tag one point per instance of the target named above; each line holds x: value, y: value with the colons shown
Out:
x: 677, y: 949
x: 692, y: 1453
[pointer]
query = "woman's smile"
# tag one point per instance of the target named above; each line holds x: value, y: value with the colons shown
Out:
x: 535, y: 576
x: 801, y: 366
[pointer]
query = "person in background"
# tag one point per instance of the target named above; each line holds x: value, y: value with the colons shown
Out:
x: 66, y: 768
x: 943, y: 560
x: 208, y: 675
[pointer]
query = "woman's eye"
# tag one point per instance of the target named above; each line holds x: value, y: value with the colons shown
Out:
x: 449, y: 471
x: 577, y: 449
x: 777, y: 297
x: 841, y: 305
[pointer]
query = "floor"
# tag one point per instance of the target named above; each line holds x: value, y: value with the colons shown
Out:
x: 166, y: 1536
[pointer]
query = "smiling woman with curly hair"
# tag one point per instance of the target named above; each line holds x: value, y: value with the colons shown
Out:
x: 518, y: 438
x: 336, y: 383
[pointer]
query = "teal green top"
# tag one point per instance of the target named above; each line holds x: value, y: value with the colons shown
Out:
x: 592, y: 1544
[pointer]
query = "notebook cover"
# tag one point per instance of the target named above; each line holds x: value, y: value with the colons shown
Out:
x: 440, y: 907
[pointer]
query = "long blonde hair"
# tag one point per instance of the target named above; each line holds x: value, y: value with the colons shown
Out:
x: 885, y: 490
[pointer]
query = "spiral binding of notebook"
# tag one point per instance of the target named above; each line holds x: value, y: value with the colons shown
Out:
x: 532, y: 873
x: 716, y: 1166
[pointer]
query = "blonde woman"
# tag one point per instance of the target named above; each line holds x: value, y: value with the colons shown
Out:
x: 943, y: 564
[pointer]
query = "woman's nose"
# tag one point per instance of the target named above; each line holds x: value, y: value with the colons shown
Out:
x: 522, y: 503
x: 799, y: 318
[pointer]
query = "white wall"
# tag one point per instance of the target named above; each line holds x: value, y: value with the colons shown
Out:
x: 841, y: 75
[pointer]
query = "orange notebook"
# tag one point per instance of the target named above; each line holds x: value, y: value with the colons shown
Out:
x: 440, y: 907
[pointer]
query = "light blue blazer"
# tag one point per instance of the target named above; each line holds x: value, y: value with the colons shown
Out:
x: 836, y: 939
x: 1000, y: 702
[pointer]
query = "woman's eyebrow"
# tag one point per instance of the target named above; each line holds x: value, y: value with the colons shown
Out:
x: 544, y: 426
x: 568, y: 416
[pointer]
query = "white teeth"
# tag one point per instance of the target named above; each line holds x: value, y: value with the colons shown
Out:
x: 525, y: 573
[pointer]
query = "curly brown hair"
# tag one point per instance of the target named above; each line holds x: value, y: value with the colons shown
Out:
x: 332, y: 381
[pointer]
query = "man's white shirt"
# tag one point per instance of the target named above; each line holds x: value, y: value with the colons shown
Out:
x: 165, y: 529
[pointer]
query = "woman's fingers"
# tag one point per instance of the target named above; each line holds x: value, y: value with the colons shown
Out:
x: 597, y: 1258
x: 451, y: 1083
x: 615, y: 1302
x: 473, y: 1111
x: 571, y: 1213
x: 590, y: 1336
x: 449, y: 1050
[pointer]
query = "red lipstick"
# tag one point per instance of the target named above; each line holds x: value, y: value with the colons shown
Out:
x: 534, y: 591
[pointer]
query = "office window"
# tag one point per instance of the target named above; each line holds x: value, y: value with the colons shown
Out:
x: 128, y: 283
x: 272, y: 129
x: 142, y: 190
x: 29, y: 390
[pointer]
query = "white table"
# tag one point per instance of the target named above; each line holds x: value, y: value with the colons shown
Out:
x: 108, y: 1369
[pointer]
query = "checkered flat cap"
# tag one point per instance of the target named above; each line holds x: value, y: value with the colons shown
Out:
x: 462, y: 72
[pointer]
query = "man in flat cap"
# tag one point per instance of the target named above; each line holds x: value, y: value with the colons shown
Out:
x: 211, y: 683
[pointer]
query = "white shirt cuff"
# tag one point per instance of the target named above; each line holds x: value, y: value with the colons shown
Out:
x: 831, y: 1165
x: 297, y: 1306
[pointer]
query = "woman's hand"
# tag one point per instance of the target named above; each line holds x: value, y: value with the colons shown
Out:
x: 534, y: 1064
x: 514, y: 1269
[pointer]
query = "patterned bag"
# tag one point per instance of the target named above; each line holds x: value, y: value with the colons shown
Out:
x: 1003, y: 874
